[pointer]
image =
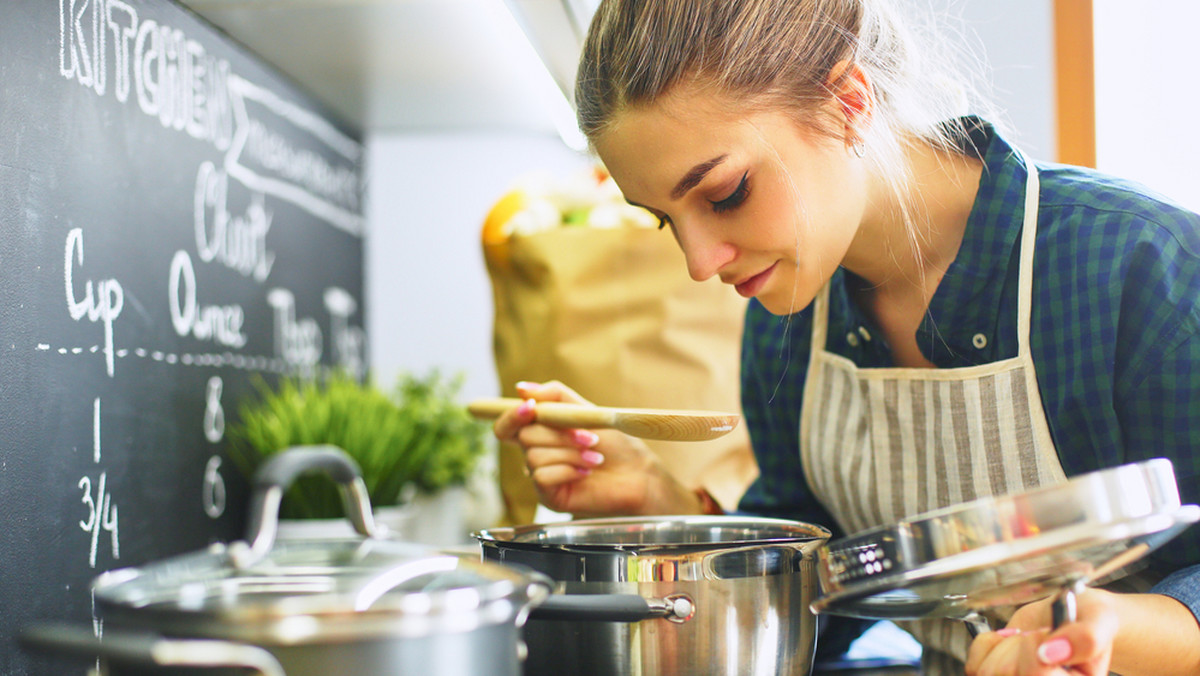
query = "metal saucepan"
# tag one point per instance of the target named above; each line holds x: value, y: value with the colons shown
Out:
x: 681, y: 595
x: 1003, y: 551
x: 357, y: 605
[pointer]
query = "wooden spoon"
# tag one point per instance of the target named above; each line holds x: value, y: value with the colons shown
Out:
x: 639, y: 422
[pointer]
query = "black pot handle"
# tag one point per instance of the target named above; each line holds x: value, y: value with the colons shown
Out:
x: 273, y: 478
x: 613, y: 608
x: 149, y: 649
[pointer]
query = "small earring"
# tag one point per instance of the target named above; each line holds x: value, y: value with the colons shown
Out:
x: 859, y: 148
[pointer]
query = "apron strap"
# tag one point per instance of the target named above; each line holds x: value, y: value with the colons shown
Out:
x: 1028, y: 239
x: 820, y: 322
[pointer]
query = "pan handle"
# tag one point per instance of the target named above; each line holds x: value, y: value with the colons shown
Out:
x: 976, y: 624
x: 151, y: 649
x: 1062, y: 611
x: 613, y: 608
x: 273, y: 478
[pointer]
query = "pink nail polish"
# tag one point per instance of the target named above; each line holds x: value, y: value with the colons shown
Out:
x: 526, y: 408
x: 592, y: 457
x: 585, y: 439
x: 1008, y: 631
x: 526, y: 385
x: 583, y: 471
x: 1054, y: 652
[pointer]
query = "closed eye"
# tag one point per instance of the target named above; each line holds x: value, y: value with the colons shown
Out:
x: 735, y: 198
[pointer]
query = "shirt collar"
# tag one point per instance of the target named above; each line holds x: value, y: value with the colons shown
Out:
x: 967, y: 303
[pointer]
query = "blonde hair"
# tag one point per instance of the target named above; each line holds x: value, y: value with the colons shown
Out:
x: 779, y: 54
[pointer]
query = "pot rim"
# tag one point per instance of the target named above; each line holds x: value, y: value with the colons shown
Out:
x: 533, y: 536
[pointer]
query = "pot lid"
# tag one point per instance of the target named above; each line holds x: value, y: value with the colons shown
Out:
x: 299, y: 590
x: 1005, y: 550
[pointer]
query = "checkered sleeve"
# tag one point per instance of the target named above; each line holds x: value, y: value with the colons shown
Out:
x: 1157, y: 376
x: 1161, y: 419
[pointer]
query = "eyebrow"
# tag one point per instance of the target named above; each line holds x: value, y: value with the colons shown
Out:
x: 694, y: 176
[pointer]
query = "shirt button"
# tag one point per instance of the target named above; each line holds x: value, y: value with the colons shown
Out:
x: 852, y: 338
x: 979, y: 341
x: 866, y: 335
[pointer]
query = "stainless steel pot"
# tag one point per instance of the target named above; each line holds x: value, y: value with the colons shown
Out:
x: 668, y: 595
x: 360, y: 605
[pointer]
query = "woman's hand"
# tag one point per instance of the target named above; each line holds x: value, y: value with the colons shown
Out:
x: 1027, y: 646
x: 590, y: 473
x: 1132, y: 634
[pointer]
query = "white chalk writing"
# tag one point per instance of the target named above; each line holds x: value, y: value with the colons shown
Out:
x: 174, y: 77
x: 348, y: 341
x: 214, y: 415
x: 263, y: 161
x: 238, y: 242
x: 221, y: 324
x: 213, y: 495
x: 297, y: 341
x: 102, y: 513
x: 303, y: 167
x: 101, y: 303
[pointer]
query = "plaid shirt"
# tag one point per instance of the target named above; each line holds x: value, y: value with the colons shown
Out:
x: 1115, y: 334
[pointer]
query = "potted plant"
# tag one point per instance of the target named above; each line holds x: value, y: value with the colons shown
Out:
x: 414, y: 441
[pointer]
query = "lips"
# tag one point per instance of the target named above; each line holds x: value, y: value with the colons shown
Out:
x: 748, y: 288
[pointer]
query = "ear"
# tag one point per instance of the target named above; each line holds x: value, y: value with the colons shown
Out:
x: 854, y: 97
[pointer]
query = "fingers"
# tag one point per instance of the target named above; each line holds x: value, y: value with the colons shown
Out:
x: 1028, y: 647
x: 1009, y: 652
x: 510, y: 423
x: 549, y: 391
x: 554, y: 457
x: 541, y: 435
x: 1088, y: 643
x: 990, y: 647
x: 536, y: 458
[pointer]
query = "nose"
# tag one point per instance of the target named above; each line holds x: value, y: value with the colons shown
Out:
x: 706, y: 253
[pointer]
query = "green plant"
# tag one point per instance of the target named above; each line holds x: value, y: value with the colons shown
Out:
x: 415, y: 438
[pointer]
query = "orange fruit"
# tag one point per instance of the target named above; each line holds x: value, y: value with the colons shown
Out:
x: 509, y: 205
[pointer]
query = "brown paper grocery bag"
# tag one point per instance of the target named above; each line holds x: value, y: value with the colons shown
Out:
x: 612, y: 313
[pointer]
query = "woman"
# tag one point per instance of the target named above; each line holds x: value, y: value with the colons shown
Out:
x: 934, y: 316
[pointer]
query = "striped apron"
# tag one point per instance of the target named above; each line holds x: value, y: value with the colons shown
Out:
x: 882, y: 444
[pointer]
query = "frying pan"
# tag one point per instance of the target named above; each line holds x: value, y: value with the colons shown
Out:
x: 1009, y: 550
x: 646, y: 423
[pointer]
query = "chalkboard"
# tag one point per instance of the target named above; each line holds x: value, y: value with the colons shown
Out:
x: 176, y: 220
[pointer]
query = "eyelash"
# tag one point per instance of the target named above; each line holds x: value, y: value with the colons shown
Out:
x: 733, y: 201
x: 735, y: 198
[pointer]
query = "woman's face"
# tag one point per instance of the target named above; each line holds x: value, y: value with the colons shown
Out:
x: 753, y: 198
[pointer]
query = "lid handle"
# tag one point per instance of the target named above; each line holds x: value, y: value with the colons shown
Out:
x: 274, y: 477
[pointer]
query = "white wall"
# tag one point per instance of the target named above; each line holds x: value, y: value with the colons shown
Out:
x: 1145, y: 124
x: 1016, y: 39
